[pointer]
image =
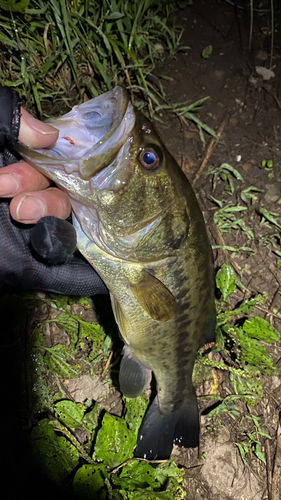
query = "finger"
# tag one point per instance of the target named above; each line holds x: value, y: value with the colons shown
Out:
x: 29, y: 207
x: 34, y: 133
x: 19, y: 177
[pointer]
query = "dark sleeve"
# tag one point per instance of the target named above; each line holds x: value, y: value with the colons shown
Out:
x: 9, y: 117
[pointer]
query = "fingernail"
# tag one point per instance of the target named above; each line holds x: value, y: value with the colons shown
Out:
x: 30, y: 209
x: 9, y: 185
x: 41, y: 127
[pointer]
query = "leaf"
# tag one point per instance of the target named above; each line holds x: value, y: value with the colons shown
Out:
x: 256, y: 354
x: 14, y: 5
x: 56, y: 456
x: 225, y: 280
x: 56, y: 359
x: 135, y: 410
x: 91, y: 419
x: 136, y: 475
x: 167, y: 470
x: 69, y: 413
x: 41, y: 398
x: 260, y: 329
x: 115, y: 443
x: 93, y: 332
x: 88, y: 480
x: 207, y: 52
x: 68, y: 323
x: 249, y: 389
x: 260, y: 455
x: 114, y: 16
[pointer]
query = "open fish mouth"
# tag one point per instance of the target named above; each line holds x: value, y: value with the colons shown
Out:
x: 90, y: 136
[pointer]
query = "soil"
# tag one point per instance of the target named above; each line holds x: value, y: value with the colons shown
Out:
x: 248, y: 106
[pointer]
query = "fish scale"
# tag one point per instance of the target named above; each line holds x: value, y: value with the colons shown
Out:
x: 139, y: 225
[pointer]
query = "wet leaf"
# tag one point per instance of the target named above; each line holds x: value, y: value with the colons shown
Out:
x: 136, y: 475
x: 225, y: 280
x: 41, y: 397
x: 260, y: 329
x: 70, y: 413
x: 56, y: 456
x: 115, y: 443
x: 89, y: 480
x: 56, y: 359
x: 135, y: 410
x: 168, y: 470
x: 91, y: 418
x: 256, y: 354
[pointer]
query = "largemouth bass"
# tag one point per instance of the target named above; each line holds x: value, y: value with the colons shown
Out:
x: 139, y: 224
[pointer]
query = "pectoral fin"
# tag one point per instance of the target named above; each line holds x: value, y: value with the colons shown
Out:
x: 119, y: 317
x: 154, y: 297
x: 133, y: 376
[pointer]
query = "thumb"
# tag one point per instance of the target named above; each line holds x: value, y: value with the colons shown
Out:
x: 34, y: 133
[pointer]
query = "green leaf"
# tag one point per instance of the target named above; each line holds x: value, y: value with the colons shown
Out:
x: 69, y: 413
x: 91, y: 419
x: 260, y: 329
x: 135, y: 410
x: 56, y: 456
x: 256, y: 354
x: 225, y: 280
x: 136, y: 475
x: 41, y: 398
x: 260, y: 455
x: 68, y: 323
x: 148, y: 495
x: 207, y: 52
x: 115, y: 443
x: 88, y: 480
x: 168, y: 470
x: 14, y: 5
x: 114, y: 16
x: 249, y: 389
x: 56, y: 359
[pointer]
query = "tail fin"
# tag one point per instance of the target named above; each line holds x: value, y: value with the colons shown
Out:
x: 158, y: 432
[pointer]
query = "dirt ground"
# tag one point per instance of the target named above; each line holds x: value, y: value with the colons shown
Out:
x: 247, y: 108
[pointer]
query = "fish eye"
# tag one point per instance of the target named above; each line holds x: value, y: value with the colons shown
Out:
x: 149, y: 158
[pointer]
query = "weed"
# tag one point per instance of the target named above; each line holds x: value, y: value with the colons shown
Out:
x: 253, y: 443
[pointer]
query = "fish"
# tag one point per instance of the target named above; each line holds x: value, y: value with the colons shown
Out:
x: 140, y: 226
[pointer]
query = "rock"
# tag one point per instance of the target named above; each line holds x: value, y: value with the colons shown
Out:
x: 224, y: 472
x: 272, y: 192
x: 86, y: 387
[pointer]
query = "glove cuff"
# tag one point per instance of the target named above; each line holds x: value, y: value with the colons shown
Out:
x: 10, y: 117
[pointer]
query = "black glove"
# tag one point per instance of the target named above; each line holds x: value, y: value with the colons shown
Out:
x: 19, y: 264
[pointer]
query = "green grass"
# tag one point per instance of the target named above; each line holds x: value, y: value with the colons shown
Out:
x: 58, y: 51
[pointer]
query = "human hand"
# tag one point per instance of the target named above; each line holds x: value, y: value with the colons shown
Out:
x: 31, y: 199
x: 53, y: 239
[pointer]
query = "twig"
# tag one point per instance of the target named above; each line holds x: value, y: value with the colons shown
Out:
x: 209, y: 149
x: 64, y: 389
x: 269, y: 313
x: 273, y: 302
x: 116, y: 469
x: 276, y: 475
x: 268, y: 469
x: 107, y: 364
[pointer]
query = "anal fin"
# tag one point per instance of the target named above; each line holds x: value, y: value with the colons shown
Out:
x: 133, y: 376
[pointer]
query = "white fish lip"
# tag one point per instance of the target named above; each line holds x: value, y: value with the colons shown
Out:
x: 84, y: 148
